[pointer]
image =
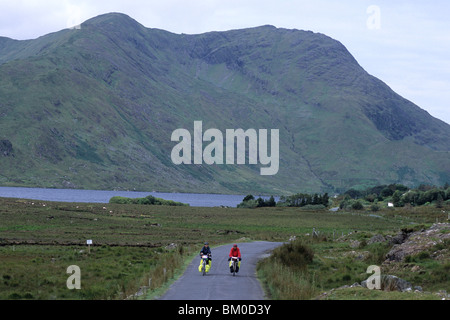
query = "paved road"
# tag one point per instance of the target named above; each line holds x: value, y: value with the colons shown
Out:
x: 219, y: 283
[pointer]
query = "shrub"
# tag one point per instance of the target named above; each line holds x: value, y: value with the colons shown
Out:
x: 386, y: 192
x: 347, y: 277
x: 363, y: 244
x: 294, y: 255
x: 423, y: 255
x: 357, y: 206
x: 248, y: 204
x: 377, y: 253
x: 271, y: 202
x: 371, y: 197
x: 284, y: 284
x: 439, y: 201
x: 14, y: 296
x: 149, y: 200
x: 396, y: 198
x: 353, y: 193
x: 120, y: 200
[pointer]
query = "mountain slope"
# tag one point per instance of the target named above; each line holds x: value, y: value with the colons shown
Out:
x: 96, y: 107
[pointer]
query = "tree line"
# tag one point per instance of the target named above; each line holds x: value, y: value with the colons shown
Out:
x: 401, y: 195
x: 296, y: 200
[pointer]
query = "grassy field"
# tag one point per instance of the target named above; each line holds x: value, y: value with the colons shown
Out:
x: 142, y: 247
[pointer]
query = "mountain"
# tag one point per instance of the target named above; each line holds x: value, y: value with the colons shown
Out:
x: 96, y: 108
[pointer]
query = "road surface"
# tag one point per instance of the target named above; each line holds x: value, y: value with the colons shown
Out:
x: 219, y: 283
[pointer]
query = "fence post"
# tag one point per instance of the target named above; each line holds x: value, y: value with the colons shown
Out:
x: 315, y: 233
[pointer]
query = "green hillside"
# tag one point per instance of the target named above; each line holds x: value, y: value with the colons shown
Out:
x: 96, y: 107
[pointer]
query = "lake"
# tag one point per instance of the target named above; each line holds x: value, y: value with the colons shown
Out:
x: 99, y: 196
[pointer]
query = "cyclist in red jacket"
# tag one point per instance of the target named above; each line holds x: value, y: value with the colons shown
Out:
x: 235, y: 252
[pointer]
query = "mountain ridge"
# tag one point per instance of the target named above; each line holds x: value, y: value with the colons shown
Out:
x: 95, y: 108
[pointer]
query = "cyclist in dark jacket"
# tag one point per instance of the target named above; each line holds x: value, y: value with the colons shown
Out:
x: 206, y: 250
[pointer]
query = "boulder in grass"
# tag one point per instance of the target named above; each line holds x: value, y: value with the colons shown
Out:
x: 392, y: 283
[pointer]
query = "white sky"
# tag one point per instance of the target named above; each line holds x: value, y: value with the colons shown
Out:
x: 407, y: 45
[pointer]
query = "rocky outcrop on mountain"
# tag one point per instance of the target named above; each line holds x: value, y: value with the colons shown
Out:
x: 6, y: 148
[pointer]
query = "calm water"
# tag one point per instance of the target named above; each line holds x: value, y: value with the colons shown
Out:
x: 98, y: 196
